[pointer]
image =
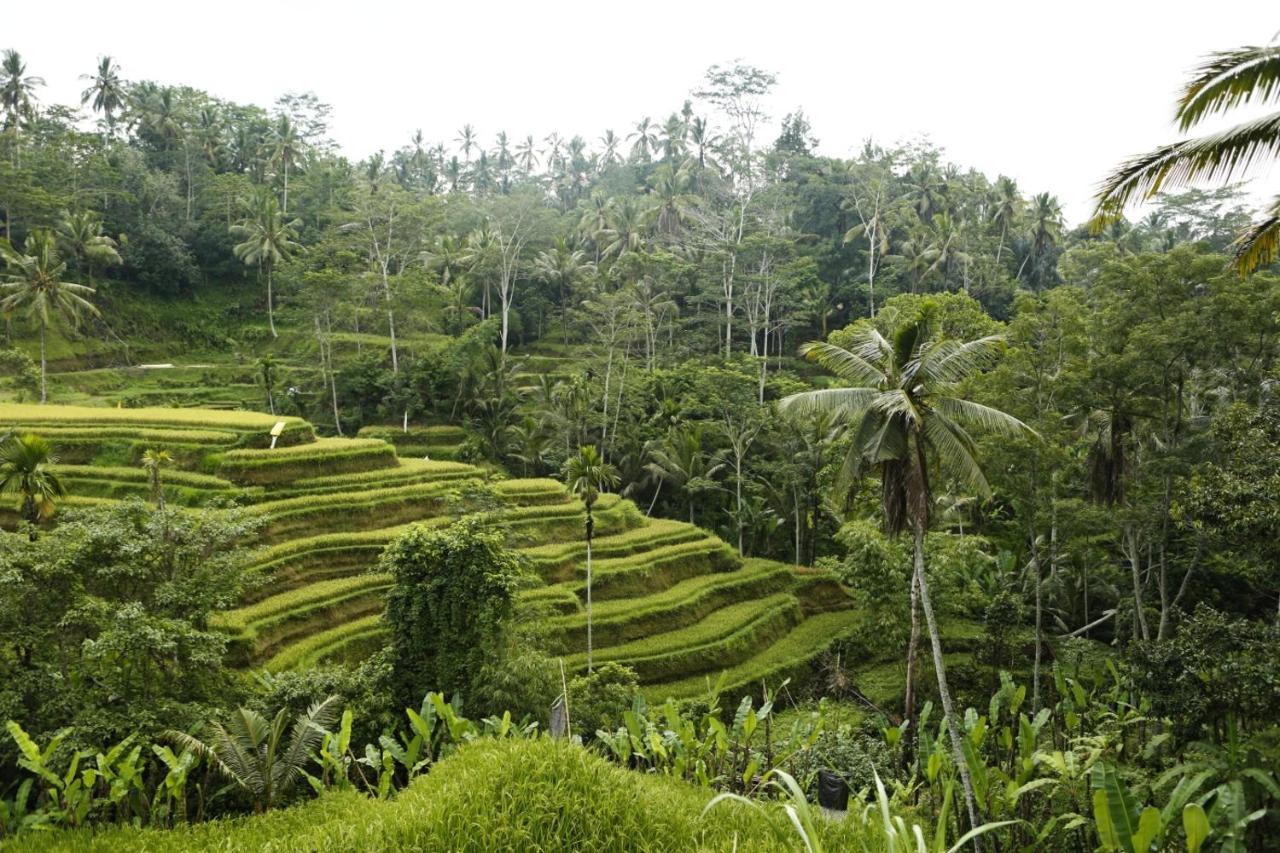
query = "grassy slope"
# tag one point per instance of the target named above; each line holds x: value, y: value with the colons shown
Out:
x: 539, y: 795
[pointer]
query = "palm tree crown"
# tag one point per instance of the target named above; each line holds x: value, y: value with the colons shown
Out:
x: 25, y: 470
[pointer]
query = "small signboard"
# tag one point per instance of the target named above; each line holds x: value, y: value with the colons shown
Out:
x: 276, y: 432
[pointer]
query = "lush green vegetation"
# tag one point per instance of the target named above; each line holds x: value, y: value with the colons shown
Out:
x: 693, y: 466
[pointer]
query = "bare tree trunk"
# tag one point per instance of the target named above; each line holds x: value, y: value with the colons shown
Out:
x: 591, y: 523
x: 44, y: 392
x: 271, y: 315
x: 944, y: 692
x: 913, y: 652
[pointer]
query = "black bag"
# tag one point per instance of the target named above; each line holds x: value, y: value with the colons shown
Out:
x: 833, y: 791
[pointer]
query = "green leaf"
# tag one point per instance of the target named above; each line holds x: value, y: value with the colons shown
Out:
x: 1196, y: 824
x: 1149, y: 827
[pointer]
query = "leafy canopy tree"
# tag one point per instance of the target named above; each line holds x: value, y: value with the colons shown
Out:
x: 34, y: 284
x: 1224, y: 81
x: 26, y: 469
x: 449, y: 607
x: 587, y: 475
x: 901, y: 394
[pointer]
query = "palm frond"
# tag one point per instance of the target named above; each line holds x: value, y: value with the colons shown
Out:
x: 1260, y: 244
x: 845, y: 364
x: 1218, y: 156
x: 982, y: 416
x: 1228, y: 79
x: 949, y: 361
x: 849, y: 402
x: 955, y: 451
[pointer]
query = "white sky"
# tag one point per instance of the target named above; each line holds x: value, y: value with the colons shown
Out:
x: 1051, y: 94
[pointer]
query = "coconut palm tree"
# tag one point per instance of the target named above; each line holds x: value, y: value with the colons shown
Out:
x: 467, y: 141
x: 527, y: 155
x: 152, y: 462
x: 1046, y: 232
x: 285, y: 148
x: 265, y: 759
x: 587, y: 475
x: 899, y: 396
x: 81, y: 233
x: 609, y: 149
x: 26, y: 469
x: 563, y: 267
x: 1224, y: 81
x: 1006, y: 204
x: 679, y: 459
x: 34, y: 284
x: 267, y: 239
x: 646, y: 140
x: 106, y: 90
x: 17, y: 89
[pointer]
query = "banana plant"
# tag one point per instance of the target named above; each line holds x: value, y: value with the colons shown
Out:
x: 69, y: 799
x: 1126, y: 826
x: 169, y: 804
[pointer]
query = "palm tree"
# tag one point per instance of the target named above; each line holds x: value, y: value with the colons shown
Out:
x: 285, y: 147
x: 646, y: 139
x: 564, y: 267
x: 680, y: 459
x: 1006, y: 204
x: 587, y: 475
x: 25, y: 469
x: 466, y: 140
x: 1224, y: 81
x: 265, y: 759
x: 898, y: 396
x: 106, y: 90
x: 609, y: 152
x: 626, y: 217
x: 267, y: 239
x: 1046, y: 230
x: 17, y: 90
x: 34, y: 284
x: 152, y: 462
x: 527, y: 155
x: 81, y: 233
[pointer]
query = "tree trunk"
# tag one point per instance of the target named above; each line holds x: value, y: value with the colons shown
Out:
x: 944, y: 692
x: 913, y: 652
x: 1035, y: 667
x: 271, y: 316
x: 44, y: 393
x: 591, y: 523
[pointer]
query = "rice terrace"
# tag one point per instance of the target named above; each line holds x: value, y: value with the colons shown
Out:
x: 741, y: 477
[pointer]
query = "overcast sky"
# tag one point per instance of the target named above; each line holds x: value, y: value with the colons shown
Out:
x: 1051, y: 94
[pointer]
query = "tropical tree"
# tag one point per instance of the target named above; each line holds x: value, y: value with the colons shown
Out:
x: 1224, y: 81
x: 106, y: 90
x: 17, y: 89
x: 587, y: 475
x: 1006, y: 204
x: 267, y: 239
x: 26, y: 470
x: 34, y: 284
x: 564, y: 267
x: 153, y: 461
x: 679, y: 459
x: 265, y: 759
x: 81, y: 233
x: 899, y: 396
x: 285, y: 148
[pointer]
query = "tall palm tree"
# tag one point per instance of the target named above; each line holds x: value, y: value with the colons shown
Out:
x: 588, y: 475
x: 285, y: 148
x: 26, y: 469
x: 1046, y: 231
x: 646, y: 139
x: 1006, y: 204
x: 81, y: 233
x: 267, y: 239
x: 626, y: 217
x: 153, y: 461
x: 899, y: 397
x: 609, y: 149
x: 527, y: 155
x: 563, y: 267
x: 467, y: 141
x: 1224, y: 81
x: 265, y: 759
x: 17, y: 88
x: 34, y: 284
x: 106, y: 90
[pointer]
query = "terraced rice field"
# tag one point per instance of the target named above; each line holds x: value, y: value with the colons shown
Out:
x: 671, y: 599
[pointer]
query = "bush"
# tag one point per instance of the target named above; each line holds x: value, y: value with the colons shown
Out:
x: 598, y: 700
x: 448, y: 609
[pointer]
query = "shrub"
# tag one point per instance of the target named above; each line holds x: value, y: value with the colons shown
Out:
x: 598, y: 700
x: 449, y: 606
